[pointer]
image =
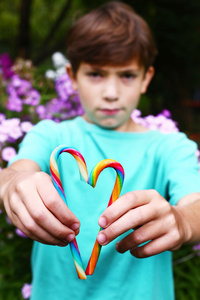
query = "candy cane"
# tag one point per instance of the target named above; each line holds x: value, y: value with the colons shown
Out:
x: 92, y: 180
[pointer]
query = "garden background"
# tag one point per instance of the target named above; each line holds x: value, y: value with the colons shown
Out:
x: 31, y: 35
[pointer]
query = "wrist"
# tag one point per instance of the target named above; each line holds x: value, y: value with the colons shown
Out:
x: 189, y: 222
x: 4, y: 182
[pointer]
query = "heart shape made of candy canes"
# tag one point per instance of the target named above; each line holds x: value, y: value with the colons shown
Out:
x: 91, y: 180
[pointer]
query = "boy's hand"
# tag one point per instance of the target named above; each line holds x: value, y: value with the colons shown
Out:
x: 35, y: 207
x: 155, y: 222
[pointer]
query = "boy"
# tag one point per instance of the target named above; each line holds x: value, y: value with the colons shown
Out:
x: 111, y: 51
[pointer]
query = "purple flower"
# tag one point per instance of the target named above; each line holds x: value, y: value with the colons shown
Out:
x: 8, y: 221
x: 14, y: 103
x: 26, y: 290
x: 5, y: 66
x: 20, y: 233
x: 20, y: 91
x: 196, y: 248
x: 24, y: 87
x: 166, y: 113
x: 33, y: 98
x: 64, y: 86
x: 15, y: 82
x: 8, y: 153
x: 41, y: 111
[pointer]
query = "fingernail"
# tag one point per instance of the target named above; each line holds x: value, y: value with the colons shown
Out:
x: 76, y: 231
x: 75, y: 226
x: 63, y: 244
x: 102, y: 222
x: 117, y: 246
x: 101, y: 238
x: 70, y: 237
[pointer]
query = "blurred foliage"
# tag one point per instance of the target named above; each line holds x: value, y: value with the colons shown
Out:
x: 14, y: 261
x: 186, y: 274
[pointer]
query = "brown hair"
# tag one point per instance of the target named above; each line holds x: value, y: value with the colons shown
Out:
x: 110, y: 35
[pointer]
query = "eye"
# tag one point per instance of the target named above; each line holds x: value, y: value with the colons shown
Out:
x: 128, y: 75
x: 94, y: 74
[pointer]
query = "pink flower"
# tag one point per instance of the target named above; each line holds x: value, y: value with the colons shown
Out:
x: 8, y: 153
x: 2, y: 117
x: 15, y: 133
x: 196, y: 247
x: 136, y: 113
x: 161, y: 122
x: 10, y: 130
x: 26, y: 290
x: 3, y: 137
x: 10, y: 123
x: 26, y: 126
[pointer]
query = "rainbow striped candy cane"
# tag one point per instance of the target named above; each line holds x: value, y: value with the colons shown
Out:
x: 106, y: 163
x: 58, y: 185
x: 92, y: 179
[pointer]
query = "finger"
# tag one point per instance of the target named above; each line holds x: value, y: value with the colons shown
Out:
x: 55, y: 204
x: 35, y: 216
x: 49, y: 223
x: 130, y: 220
x: 40, y: 236
x: 28, y: 226
x: 143, y: 234
x: 38, y: 233
x: 156, y: 246
x: 125, y: 203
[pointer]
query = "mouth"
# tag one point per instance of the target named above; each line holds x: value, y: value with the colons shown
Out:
x: 109, y: 112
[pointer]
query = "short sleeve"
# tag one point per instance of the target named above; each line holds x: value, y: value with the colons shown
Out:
x: 38, y: 144
x: 182, y: 167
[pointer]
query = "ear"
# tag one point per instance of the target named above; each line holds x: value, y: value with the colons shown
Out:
x: 147, y: 79
x: 72, y: 76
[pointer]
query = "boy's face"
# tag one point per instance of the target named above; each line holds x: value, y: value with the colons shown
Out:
x: 109, y: 94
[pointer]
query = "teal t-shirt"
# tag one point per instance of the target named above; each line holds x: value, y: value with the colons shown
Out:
x: 151, y: 160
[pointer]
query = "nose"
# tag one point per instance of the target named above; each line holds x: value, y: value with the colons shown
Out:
x: 110, y: 90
